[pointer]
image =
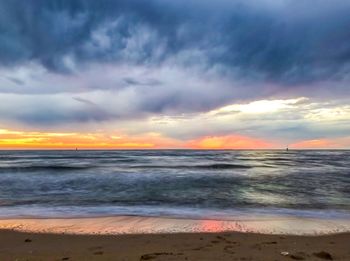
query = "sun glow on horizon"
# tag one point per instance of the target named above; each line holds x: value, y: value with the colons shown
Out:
x: 42, y: 140
x: 228, y: 142
x: 45, y: 140
x: 14, y: 139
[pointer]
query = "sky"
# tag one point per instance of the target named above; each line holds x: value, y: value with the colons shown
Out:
x: 192, y: 74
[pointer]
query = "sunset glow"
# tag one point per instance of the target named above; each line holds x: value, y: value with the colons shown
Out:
x: 10, y: 139
x: 42, y: 140
x: 228, y: 142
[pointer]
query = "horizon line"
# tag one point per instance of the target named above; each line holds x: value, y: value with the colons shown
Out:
x: 164, y: 149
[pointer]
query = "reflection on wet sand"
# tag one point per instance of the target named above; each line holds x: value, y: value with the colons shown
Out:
x: 145, y: 225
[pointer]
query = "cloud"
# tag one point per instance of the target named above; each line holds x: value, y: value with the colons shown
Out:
x: 46, y: 110
x: 277, y: 122
x: 259, y: 40
x: 187, y: 69
x: 113, y: 92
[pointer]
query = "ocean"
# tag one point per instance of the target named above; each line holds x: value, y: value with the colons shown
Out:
x: 196, y: 184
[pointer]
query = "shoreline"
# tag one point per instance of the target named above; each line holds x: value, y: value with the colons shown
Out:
x: 119, y: 225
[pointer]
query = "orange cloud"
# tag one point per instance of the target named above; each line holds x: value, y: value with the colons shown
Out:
x: 228, y: 142
x: 337, y: 143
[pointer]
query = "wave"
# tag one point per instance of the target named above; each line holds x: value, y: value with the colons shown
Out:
x: 44, y: 167
x: 200, y: 166
x: 216, y: 166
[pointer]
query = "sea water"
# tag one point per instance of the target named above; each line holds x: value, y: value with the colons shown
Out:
x: 195, y: 184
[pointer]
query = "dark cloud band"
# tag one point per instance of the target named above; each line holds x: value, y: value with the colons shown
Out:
x: 288, y: 43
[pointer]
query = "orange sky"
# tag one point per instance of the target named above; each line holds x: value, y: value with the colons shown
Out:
x: 47, y: 140
x: 11, y: 139
x: 335, y: 143
x: 228, y: 142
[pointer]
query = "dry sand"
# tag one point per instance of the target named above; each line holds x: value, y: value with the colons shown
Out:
x: 193, y: 246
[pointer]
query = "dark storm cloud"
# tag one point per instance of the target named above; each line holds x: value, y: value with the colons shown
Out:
x: 145, y: 82
x: 42, y: 115
x: 132, y: 59
x: 286, y: 42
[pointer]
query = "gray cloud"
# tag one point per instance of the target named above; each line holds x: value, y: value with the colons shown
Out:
x: 288, y: 42
x: 166, y: 57
x: 15, y: 80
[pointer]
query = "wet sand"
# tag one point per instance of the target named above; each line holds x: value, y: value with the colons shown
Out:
x: 192, y: 246
x: 155, y: 225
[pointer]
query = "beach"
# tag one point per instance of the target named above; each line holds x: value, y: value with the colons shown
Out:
x: 148, y: 238
x: 191, y: 246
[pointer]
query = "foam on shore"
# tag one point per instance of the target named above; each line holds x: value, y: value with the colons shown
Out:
x: 155, y: 225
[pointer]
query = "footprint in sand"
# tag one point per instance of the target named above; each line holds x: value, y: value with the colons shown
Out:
x: 229, y: 249
x: 95, y: 248
x: 270, y: 243
x: 297, y: 257
x: 323, y: 255
x: 156, y: 255
x: 198, y: 248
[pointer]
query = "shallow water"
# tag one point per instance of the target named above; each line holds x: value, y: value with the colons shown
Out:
x: 176, y: 183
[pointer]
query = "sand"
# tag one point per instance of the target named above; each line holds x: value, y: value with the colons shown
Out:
x: 48, y: 240
x: 193, y: 246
